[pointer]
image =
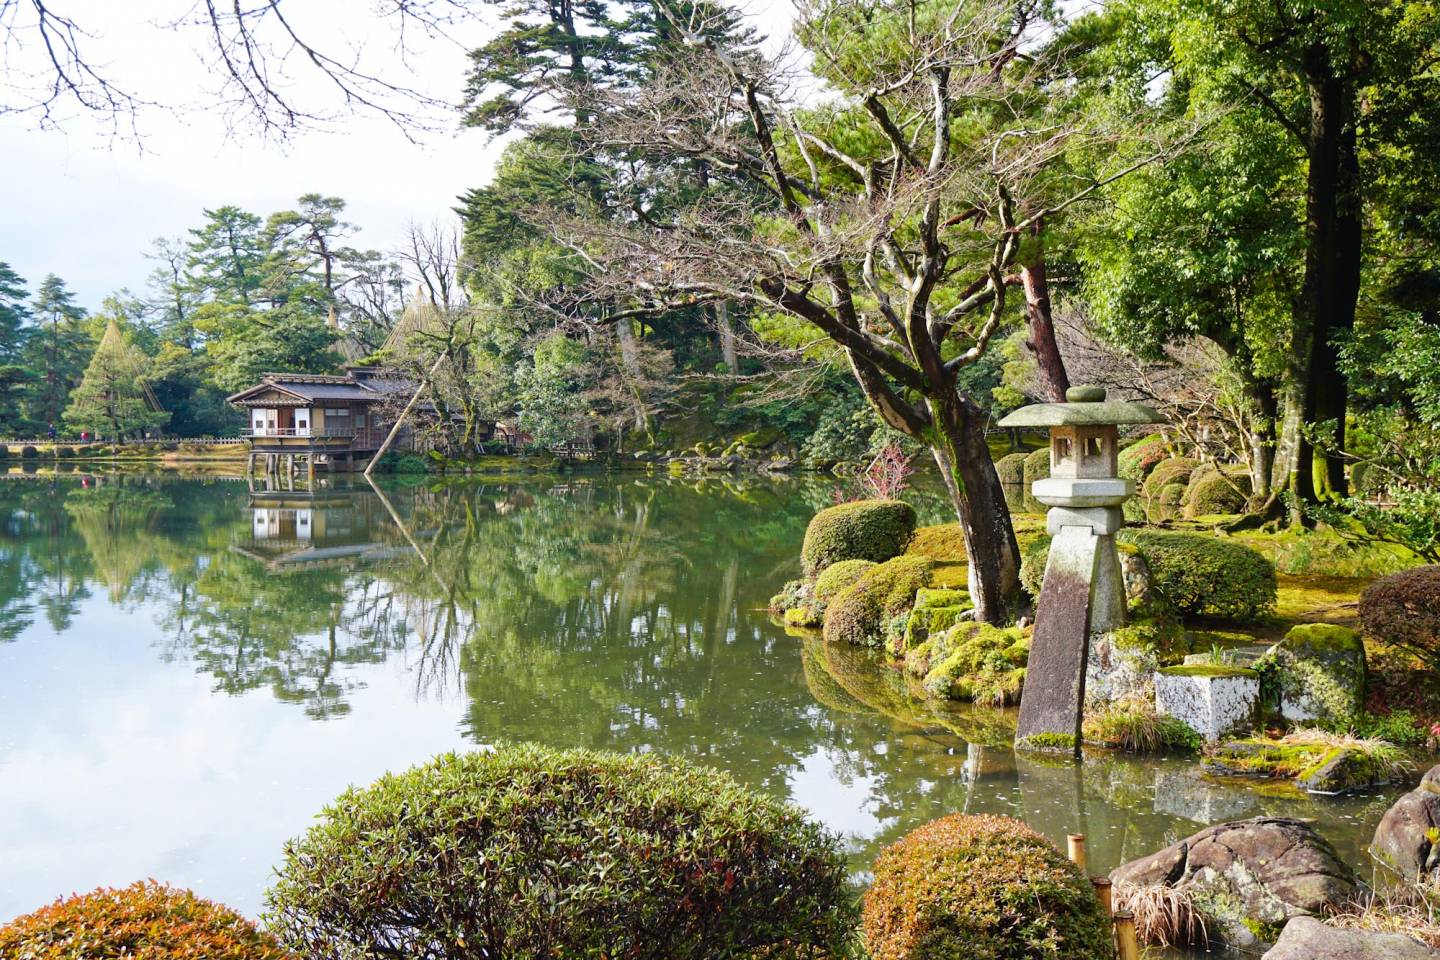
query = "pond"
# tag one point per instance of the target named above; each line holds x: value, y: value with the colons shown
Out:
x: 188, y: 673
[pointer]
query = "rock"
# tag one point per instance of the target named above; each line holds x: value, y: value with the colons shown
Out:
x: 1117, y: 669
x: 1306, y: 938
x: 1251, y: 876
x: 1321, y: 672
x: 1135, y: 571
x: 1315, y: 767
x: 1212, y: 700
x: 1406, y: 839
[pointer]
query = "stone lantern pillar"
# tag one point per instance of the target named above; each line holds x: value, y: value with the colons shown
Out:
x: 1084, y: 592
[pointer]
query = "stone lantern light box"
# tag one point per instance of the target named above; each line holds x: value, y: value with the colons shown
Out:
x: 1083, y: 592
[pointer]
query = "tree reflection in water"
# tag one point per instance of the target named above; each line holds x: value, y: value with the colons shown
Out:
x: 610, y: 612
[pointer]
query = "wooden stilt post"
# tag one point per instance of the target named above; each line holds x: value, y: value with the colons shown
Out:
x: 1104, y: 894
x: 1076, y: 843
x: 390, y: 437
x: 1128, y: 948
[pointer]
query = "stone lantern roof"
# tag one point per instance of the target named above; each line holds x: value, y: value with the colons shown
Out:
x: 1083, y: 407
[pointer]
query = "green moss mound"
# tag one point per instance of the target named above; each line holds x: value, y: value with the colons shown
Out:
x: 943, y: 543
x: 1011, y: 468
x: 1206, y: 575
x: 859, y: 613
x: 1403, y: 610
x: 873, y: 530
x: 146, y: 921
x: 527, y: 851
x: 1217, y: 491
x: 981, y: 888
x: 1166, y: 472
x: 838, y: 576
x: 936, y: 610
x: 972, y: 662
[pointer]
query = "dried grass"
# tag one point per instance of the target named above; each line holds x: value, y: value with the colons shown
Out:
x: 1384, y: 754
x: 1413, y: 911
x: 1164, y: 916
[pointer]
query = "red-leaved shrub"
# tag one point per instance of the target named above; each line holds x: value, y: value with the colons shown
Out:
x: 1403, y: 610
x: 144, y: 921
x: 983, y: 888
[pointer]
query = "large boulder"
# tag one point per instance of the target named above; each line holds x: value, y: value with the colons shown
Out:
x: 1404, y: 841
x: 1250, y: 876
x: 1306, y: 938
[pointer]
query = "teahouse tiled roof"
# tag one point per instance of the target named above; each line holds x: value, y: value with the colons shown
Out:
x: 372, y: 387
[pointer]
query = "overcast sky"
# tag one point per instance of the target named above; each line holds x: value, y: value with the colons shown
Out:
x: 85, y: 206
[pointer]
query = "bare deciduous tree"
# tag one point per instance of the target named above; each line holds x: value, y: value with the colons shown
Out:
x: 889, y: 217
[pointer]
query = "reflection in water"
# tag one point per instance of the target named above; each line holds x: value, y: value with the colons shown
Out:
x: 166, y: 646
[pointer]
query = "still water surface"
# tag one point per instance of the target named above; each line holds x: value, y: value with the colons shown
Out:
x: 188, y: 673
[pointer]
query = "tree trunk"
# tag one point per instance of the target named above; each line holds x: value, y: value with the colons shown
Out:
x: 630, y: 365
x: 1332, y: 269
x: 1042, y: 324
x: 727, y: 337
x: 979, y: 500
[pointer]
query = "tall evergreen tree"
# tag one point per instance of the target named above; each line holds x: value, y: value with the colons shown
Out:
x: 13, y: 312
x: 111, y: 398
x: 55, y: 349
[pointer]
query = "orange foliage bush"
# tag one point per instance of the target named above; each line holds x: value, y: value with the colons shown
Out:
x: 144, y: 921
x: 983, y: 888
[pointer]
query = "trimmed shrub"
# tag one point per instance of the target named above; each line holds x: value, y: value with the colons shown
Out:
x: 1193, y: 573
x: 28, y: 452
x: 1166, y: 472
x: 4, y: 452
x: 1215, y: 491
x: 1137, y: 460
x: 146, y: 921
x: 859, y: 613
x: 982, y: 888
x: 943, y: 543
x: 532, y: 852
x: 1011, y: 468
x: 1205, y: 575
x: 1403, y: 610
x: 864, y: 530
x: 838, y: 576
x: 1033, y: 557
x: 1037, y: 466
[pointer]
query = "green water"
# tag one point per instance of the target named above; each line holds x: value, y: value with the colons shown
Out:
x: 188, y: 673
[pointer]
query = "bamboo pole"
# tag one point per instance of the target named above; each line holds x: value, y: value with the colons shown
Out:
x: 390, y: 437
x: 1104, y: 894
x: 1076, y: 842
x: 1129, y: 947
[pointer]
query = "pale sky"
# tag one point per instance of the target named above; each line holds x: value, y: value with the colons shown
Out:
x: 85, y: 206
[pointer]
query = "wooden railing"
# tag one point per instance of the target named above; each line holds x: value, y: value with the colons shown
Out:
x: 302, y: 432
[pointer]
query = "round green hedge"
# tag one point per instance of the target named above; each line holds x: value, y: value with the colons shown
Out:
x: 1037, y: 466
x: 863, y: 530
x: 1011, y: 468
x: 838, y: 576
x: 1197, y: 574
x: 982, y: 888
x: 1403, y: 610
x: 1206, y: 575
x: 858, y: 614
x: 1166, y: 472
x: 528, y: 851
x: 28, y: 452
x: 145, y: 921
x: 1217, y: 491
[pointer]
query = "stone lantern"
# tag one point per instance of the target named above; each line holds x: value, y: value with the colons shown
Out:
x: 1084, y: 592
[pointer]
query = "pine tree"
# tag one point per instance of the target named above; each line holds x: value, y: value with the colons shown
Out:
x: 111, y: 399
x: 13, y: 312
x: 55, y: 348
